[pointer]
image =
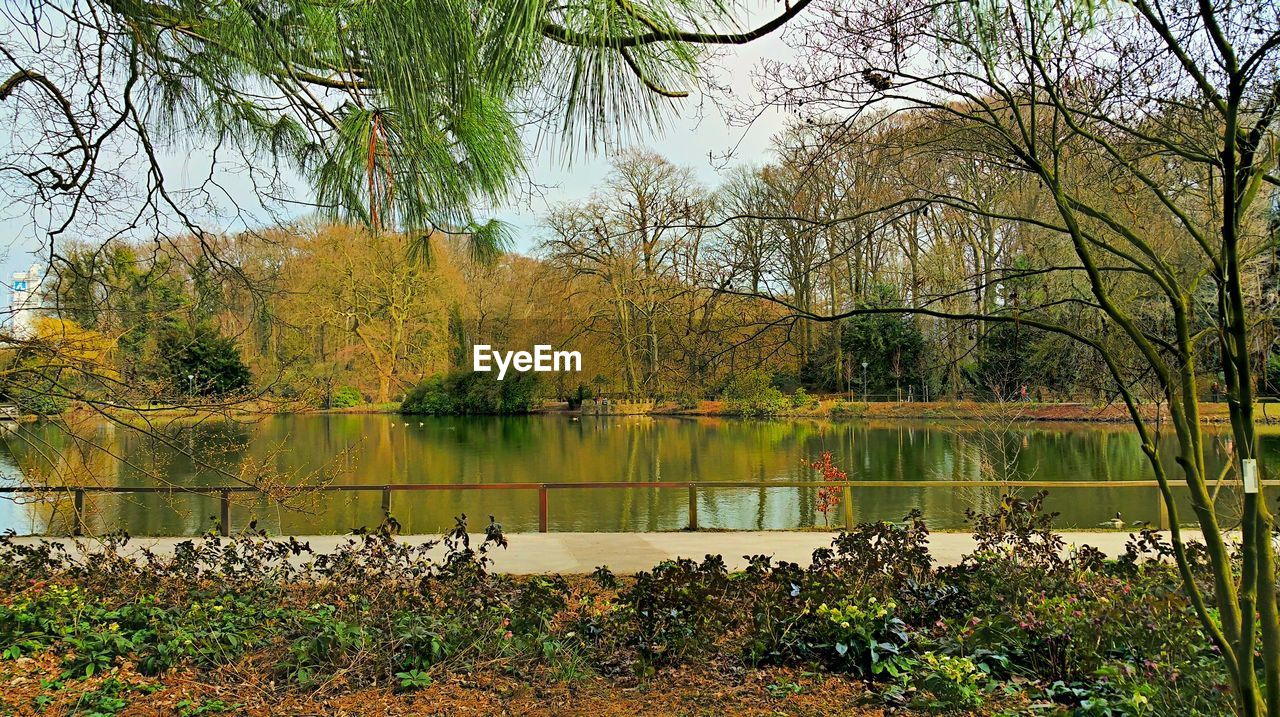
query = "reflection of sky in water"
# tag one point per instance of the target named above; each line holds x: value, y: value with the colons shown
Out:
x: 14, y: 513
x: 382, y: 449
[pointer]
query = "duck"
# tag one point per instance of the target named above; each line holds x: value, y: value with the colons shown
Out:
x: 1117, y: 522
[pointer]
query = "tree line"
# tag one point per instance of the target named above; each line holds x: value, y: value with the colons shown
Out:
x: 668, y: 288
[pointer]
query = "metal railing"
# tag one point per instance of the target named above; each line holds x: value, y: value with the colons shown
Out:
x: 224, y: 493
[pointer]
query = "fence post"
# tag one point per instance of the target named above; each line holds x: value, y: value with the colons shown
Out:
x: 848, y: 507
x: 78, y: 528
x: 693, y: 507
x: 225, y: 514
x: 542, y: 508
x: 386, y: 501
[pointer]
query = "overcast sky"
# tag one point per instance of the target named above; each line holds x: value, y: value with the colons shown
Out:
x: 698, y: 136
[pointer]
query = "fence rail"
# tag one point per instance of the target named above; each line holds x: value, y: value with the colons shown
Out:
x: 78, y: 492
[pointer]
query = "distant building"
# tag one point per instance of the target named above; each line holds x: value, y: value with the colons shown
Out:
x: 24, y: 301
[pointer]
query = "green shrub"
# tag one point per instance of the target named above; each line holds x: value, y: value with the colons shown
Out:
x: 471, y: 392
x: 323, y: 643
x: 785, y: 381
x: 954, y: 682
x: 200, y: 361
x: 429, y: 398
x: 30, y: 385
x: 677, y: 609
x: 752, y: 393
x: 346, y: 397
x: 864, y: 637
x: 801, y: 399
x: 844, y: 409
x: 37, y: 401
x: 413, y: 679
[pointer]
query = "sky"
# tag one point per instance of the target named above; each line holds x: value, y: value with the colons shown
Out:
x: 697, y: 136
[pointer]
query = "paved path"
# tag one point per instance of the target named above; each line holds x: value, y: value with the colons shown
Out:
x: 575, y: 553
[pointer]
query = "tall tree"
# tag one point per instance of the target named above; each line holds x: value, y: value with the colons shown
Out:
x: 388, y: 310
x: 635, y: 239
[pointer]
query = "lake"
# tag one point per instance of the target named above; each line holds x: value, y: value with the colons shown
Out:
x: 351, y: 449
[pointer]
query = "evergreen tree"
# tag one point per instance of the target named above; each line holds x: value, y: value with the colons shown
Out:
x: 891, y: 344
x: 200, y: 362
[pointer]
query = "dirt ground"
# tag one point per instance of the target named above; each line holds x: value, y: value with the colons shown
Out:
x: 236, y: 690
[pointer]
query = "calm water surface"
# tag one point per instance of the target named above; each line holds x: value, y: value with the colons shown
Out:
x: 382, y: 449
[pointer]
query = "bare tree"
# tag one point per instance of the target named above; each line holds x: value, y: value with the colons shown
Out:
x: 1147, y: 136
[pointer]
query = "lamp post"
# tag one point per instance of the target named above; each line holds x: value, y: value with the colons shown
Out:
x: 191, y: 384
x: 864, y: 381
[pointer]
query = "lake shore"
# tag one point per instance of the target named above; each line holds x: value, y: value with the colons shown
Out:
x: 834, y: 409
x: 1266, y: 412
